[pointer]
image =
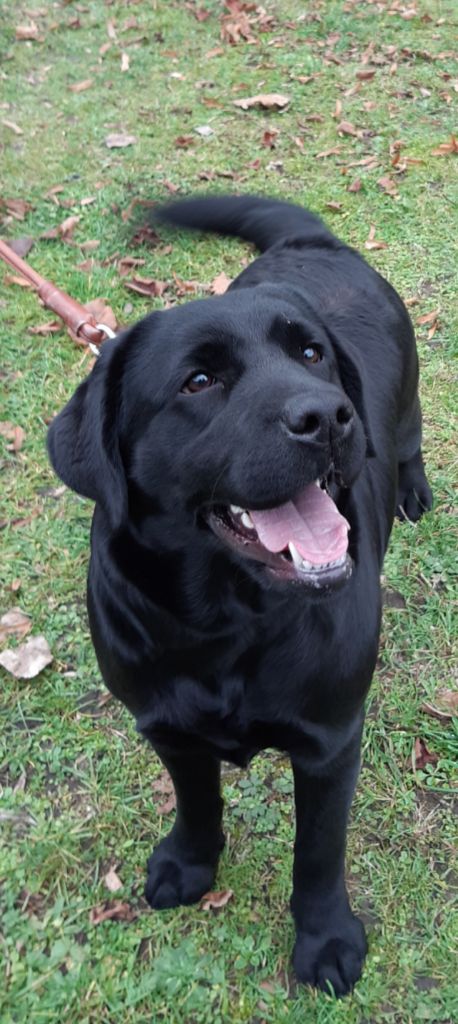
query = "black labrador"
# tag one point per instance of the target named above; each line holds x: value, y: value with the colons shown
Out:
x: 247, y: 454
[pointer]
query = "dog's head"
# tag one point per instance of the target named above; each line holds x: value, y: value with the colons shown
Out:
x: 239, y: 417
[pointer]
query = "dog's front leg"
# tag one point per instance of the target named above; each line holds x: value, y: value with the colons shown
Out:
x: 330, y: 941
x: 183, y: 866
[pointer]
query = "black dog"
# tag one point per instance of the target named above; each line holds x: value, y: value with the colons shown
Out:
x: 247, y: 454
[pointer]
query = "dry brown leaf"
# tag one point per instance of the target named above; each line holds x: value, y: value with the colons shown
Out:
x: 64, y: 230
x: 422, y: 756
x: 15, y: 623
x: 328, y: 152
x: 428, y: 318
x: 22, y: 282
x: 269, y: 137
x: 347, y: 128
x: 216, y: 900
x: 184, y: 141
x: 116, y: 911
x: 365, y: 76
x: 137, y: 201
x: 168, y: 805
x: 355, y: 186
x: 216, y: 52
x: 372, y: 242
x: 146, y: 286
x: 445, y: 705
x: 112, y: 880
x: 14, y: 434
x: 21, y: 246
x: 119, y: 140
x: 388, y: 185
x: 81, y: 86
x: 268, y: 101
x: 29, y: 31
x: 13, y: 127
x: 90, y: 245
x: 334, y: 206
x: 220, y: 284
x: 17, y: 208
x: 27, y: 660
x: 446, y: 148
x: 50, y: 327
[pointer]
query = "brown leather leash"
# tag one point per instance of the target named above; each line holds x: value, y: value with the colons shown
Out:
x: 73, y: 313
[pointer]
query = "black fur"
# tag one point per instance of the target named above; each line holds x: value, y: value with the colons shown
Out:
x: 215, y: 657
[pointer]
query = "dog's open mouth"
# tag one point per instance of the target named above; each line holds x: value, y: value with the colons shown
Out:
x: 305, y: 539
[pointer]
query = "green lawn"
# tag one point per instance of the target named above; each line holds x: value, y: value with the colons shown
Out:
x: 78, y: 785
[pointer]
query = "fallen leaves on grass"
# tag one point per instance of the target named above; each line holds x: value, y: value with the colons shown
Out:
x: 50, y: 327
x: 136, y: 201
x: 269, y: 138
x: 422, y: 756
x: 445, y: 705
x: 13, y: 127
x: 112, y: 880
x: 267, y: 101
x: 355, y: 186
x: 125, y: 61
x: 63, y: 231
x: 146, y: 286
x: 27, y: 660
x: 116, y: 911
x: 163, y: 787
x: 21, y: 246
x: 334, y: 206
x: 22, y: 282
x: 17, y: 208
x: 220, y: 284
x: 446, y: 148
x: 184, y: 141
x: 372, y: 242
x: 216, y: 900
x: 389, y: 186
x: 333, y: 151
x: 347, y: 128
x: 428, y: 318
x: 14, y: 434
x: 30, y: 31
x: 15, y: 623
x: 119, y: 140
x: 81, y: 86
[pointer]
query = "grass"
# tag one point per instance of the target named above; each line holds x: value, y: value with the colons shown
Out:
x: 77, y: 782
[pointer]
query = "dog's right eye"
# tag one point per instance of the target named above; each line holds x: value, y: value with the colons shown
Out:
x: 198, y: 382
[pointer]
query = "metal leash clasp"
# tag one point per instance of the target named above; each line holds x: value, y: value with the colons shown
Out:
x: 109, y: 333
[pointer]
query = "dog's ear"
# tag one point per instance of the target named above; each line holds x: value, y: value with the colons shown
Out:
x: 352, y: 375
x: 83, y: 442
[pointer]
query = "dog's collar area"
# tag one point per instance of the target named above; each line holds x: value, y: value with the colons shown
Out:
x: 304, y: 540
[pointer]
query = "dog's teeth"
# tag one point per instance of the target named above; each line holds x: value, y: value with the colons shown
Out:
x: 236, y: 510
x: 296, y: 557
x: 246, y: 521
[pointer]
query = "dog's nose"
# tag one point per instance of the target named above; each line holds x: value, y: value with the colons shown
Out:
x: 320, y: 421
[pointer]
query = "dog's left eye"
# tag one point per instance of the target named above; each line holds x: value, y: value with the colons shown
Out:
x: 198, y: 382
x: 311, y: 354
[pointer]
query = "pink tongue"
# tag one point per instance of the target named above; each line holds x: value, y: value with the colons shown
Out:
x: 312, y: 521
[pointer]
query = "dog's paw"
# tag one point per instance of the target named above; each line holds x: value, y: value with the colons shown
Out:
x: 414, y: 493
x: 333, y: 959
x: 176, y: 878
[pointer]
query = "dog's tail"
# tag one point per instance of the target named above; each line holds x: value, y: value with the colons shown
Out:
x: 262, y: 221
